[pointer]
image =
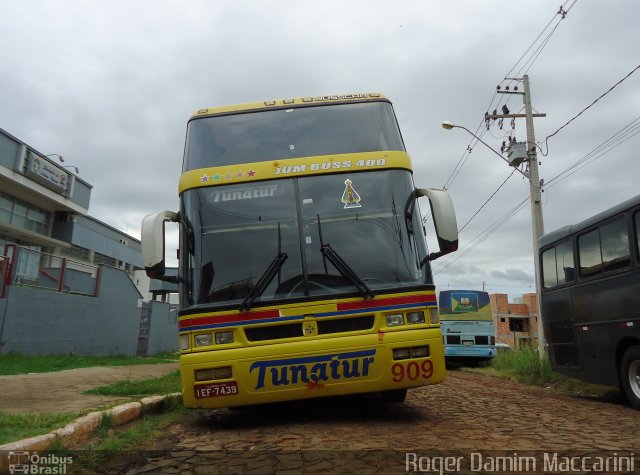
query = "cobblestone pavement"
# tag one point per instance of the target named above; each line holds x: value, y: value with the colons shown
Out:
x: 468, y: 413
x: 62, y: 391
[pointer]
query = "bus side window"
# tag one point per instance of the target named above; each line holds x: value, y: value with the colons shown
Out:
x: 604, y: 249
x: 615, y: 245
x: 590, y: 257
x: 550, y: 277
x: 557, y: 265
x: 564, y: 263
x: 637, y: 229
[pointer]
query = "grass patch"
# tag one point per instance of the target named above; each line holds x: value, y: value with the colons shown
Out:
x: 112, y: 444
x: 525, y: 366
x: 14, y: 363
x: 20, y: 426
x: 139, y: 434
x: 145, y: 387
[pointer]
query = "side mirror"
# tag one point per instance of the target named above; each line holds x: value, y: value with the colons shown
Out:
x: 153, y: 244
x: 444, y: 220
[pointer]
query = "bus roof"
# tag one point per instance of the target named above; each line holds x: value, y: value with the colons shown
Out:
x: 568, y: 230
x: 296, y: 102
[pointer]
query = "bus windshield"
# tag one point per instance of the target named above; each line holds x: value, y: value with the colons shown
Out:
x: 291, y: 133
x: 237, y: 232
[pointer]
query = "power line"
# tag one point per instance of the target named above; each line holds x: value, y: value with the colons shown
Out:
x: 617, y: 139
x: 559, y: 16
x: 562, y: 12
x: 586, y: 108
x: 485, y: 203
x: 481, y: 237
x: 528, y: 64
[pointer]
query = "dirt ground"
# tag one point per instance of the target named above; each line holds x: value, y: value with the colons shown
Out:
x: 62, y: 391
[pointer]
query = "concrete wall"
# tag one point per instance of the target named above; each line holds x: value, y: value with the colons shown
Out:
x: 44, y: 322
x: 163, y: 333
x: 89, y: 233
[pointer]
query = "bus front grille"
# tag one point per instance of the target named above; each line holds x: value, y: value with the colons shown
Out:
x: 294, y: 330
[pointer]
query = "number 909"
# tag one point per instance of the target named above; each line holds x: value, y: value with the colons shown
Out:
x: 412, y: 371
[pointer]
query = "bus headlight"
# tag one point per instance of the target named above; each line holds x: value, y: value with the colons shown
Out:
x: 203, y: 339
x: 433, y: 316
x: 210, y: 374
x: 415, y: 317
x: 420, y: 351
x: 184, y: 342
x: 224, y: 338
x: 395, y: 319
x: 401, y: 353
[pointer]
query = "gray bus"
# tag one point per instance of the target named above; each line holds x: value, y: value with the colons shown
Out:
x: 591, y: 298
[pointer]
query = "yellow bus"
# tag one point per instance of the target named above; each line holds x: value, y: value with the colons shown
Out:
x: 303, y: 265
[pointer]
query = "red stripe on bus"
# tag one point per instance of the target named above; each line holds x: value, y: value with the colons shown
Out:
x: 363, y: 304
x: 236, y: 317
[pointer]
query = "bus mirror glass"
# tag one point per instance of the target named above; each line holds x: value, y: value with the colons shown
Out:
x: 444, y: 220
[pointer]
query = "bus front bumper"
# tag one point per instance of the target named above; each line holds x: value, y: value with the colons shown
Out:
x: 313, y: 368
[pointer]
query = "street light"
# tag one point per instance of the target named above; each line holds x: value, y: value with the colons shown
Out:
x: 448, y: 126
x: 72, y: 166
x: 537, y: 224
x: 56, y: 155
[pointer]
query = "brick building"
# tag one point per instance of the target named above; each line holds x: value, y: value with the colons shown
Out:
x: 515, y: 323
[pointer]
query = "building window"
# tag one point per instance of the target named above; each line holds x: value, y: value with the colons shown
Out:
x: 106, y: 260
x: 76, y: 252
x: 518, y: 325
x: 503, y: 319
x: 6, y: 208
x: 25, y: 215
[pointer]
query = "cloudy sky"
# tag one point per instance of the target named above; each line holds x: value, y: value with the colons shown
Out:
x: 111, y: 85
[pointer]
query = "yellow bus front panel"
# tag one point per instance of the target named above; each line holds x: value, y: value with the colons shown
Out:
x: 305, y: 369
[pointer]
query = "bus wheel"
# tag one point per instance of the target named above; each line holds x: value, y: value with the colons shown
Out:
x: 630, y: 375
x: 394, y: 395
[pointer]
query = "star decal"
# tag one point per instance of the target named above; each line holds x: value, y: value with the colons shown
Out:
x: 239, y: 174
x: 204, y: 178
x: 251, y: 173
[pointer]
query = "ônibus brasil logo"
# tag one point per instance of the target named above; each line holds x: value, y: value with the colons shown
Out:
x: 23, y: 461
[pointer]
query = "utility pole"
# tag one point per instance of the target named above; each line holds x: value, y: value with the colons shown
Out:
x: 537, y: 222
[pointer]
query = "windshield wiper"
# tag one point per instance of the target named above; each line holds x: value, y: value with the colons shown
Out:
x: 340, y: 264
x: 264, y: 281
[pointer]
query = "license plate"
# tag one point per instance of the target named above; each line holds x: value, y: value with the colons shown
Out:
x: 228, y: 388
x: 467, y: 342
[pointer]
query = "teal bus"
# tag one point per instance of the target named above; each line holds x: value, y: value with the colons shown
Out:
x: 467, y: 326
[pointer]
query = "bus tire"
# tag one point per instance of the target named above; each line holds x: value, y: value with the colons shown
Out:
x: 394, y: 395
x: 630, y: 375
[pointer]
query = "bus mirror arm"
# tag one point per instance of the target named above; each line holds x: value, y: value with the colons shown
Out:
x: 153, y: 247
